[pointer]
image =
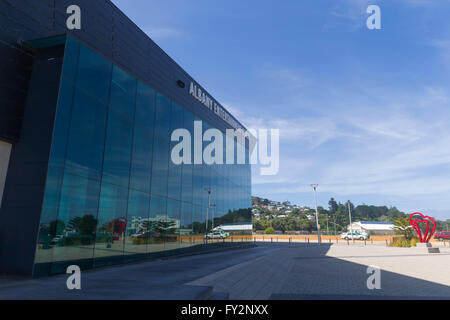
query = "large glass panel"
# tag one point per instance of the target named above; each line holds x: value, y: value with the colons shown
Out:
x: 198, y: 224
x: 48, y: 225
x: 112, y: 224
x: 161, y: 147
x: 76, y: 223
x: 186, y: 230
x: 62, y: 125
x: 187, y: 169
x: 94, y: 74
x: 157, y: 222
x: 175, y: 171
x: 117, y: 156
x: 123, y: 92
x: 86, y: 136
x: 138, y: 227
x: 70, y: 66
x: 172, y: 225
x: 141, y: 165
x: 145, y: 105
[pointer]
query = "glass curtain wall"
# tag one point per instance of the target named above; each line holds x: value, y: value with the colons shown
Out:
x: 112, y: 194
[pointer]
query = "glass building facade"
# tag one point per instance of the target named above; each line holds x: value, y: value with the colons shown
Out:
x: 112, y: 193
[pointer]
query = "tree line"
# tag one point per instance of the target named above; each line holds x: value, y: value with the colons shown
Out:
x: 336, y: 217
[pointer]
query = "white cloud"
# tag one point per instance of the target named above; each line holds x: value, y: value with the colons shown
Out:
x: 382, y: 142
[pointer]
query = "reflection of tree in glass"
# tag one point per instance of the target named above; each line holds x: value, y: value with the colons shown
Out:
x: 236, y: 216
x: 83, y: 225
x: 48, y: 231
x: 166, y: 226
x: 160, y: 227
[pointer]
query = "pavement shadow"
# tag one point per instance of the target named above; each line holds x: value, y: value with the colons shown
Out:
x: 316, y: 276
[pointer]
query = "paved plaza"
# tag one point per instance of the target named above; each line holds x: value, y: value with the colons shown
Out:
x: 268, y: 271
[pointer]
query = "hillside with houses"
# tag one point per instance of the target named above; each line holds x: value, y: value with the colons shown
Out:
x: 287, y: 218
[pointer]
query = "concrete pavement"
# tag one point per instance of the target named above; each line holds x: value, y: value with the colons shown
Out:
x: 269, y: 271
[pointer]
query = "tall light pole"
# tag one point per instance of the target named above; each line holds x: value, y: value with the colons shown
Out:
x: 317, y: 212
x: 334, y: 218
x: 213, y: 206
x: 350, y: 217
x: 207, y: 211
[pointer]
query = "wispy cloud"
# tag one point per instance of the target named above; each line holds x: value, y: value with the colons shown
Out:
x: 395, y: 145
x: 443, y: 47
x: 351, y: 13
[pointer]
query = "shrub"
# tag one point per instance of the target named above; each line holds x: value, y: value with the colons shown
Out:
x: 403, y: 242
x: 270, y: 230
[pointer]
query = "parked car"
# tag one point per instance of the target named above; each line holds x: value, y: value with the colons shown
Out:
x: 442, y: 235
x: 139, y: 235
x: 356, y: 235
x: 217, y: 235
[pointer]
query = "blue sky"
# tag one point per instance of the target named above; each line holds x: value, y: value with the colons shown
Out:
x: 364, y: 113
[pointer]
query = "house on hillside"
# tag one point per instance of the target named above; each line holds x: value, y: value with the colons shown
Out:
x: 373, y: 227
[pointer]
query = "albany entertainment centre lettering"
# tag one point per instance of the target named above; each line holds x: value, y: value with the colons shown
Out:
x: 209, y: 103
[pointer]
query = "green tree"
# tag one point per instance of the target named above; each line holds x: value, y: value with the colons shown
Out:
x: 333, y: 206
x: 403, y: 227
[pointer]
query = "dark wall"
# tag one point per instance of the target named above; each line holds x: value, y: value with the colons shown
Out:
x: 25, y: 184
x: 106, y: 29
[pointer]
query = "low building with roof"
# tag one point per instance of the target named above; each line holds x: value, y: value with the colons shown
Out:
x: 373, y: 227
x: 236, y: 228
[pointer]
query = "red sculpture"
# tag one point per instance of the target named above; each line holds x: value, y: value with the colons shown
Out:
x: 117, y: 227
x: 414, y: 221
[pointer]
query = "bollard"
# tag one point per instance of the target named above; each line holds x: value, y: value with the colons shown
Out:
x: 330, y: 240
x: 348, y: 242
x: 290, y: 240
x: 371, y: 241
x: 364, y: 241
x: 386, y: 243
x: 308, y: 240
x: 271, y: 239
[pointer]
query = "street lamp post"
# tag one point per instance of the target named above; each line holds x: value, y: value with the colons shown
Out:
x: 207, y: 211
x: 350, y: 217
x: 213, y: 207
x: 317, y: 212
x: 334, y: 217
